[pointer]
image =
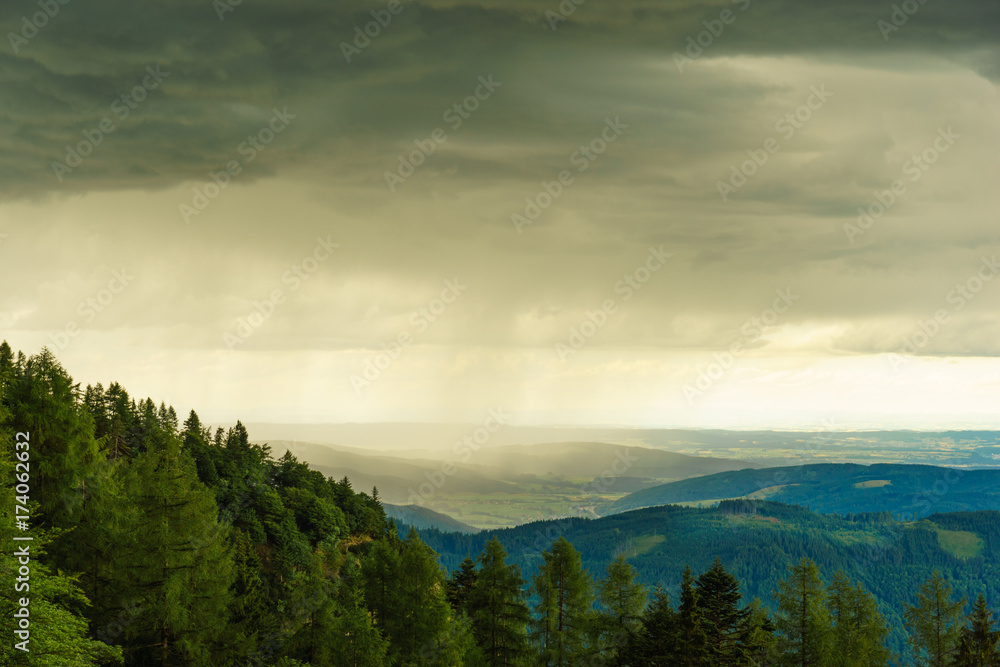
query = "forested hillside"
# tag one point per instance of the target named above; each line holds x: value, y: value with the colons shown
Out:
x: 161, y: 542
x: 838, y: 487
x: 422, y: 518
x: 758, y: 540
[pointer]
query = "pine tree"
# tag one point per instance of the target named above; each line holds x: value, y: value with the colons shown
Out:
x: 758, y: 642
x: 249, y: 609
x: 803, y: 619
x: 719, y: 599
x: 980, y: 642
x: 658, y: 641
x: 173, y: 559
x: 565, y: 602
x: 404, y: 588
x: 694, y: 651
x: 859, y: 630
x: 379, y: 570
x: 426, y: 613
x: 43, y: 400
x: 622, y: 602
x: 356, y: 640
x: 120, y: 418
x: 460, y: 584
x: 58, y: 632
x: 497, y: 608
x: 935, y: 622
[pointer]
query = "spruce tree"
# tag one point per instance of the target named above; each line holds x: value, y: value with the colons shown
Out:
x: 980, y: 642
x: 565, y: 603
x: 803, y: 619
x: 380, y: 567
x: 58, y: 633
x: 404, y: 588
x: 694, y: 651
x: 497, y: 608
x: 356, y: 642
x: 758, y: 642
x: 426, y: 614
x: 719, y: 599
x: 460, y: 584
x: 658, y: 641
x: 622, y: 601
x: 173, y: 559
x: 859, y: 630
x: 935, y: 622
x: 42, y: 399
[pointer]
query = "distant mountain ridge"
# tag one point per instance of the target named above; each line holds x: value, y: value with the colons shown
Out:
x: 502, y: 469
x: 837, y: 487
x: 423, y: 518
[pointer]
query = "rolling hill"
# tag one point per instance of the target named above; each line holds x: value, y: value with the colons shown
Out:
x: 422, y: 518
x: 757, y: 541
x: 509, y: 484
x: 836, y: 487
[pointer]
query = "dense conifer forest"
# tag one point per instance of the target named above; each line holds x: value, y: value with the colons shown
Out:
x: 159, y: 541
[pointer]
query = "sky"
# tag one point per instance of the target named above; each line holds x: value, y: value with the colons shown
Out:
x: 671, y: 213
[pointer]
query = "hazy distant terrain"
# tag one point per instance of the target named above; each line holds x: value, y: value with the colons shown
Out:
x: 842, y: 488
x: 973, y: 447
x: 509, y: 484
x: 422, y: 518
x: 534, y: 473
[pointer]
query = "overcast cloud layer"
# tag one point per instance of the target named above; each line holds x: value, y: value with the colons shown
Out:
x: 896, y: 313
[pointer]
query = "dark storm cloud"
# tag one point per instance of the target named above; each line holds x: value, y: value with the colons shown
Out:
x: 223, y: 80
x: 226, y: 76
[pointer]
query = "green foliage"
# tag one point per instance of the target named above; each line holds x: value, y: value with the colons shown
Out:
x: 979, y: 645
x: 622, y: 601
x: 160, y: 543
x: 760, y: 646
x: 498, y: 610
x: 354, y: 639
x: 565, y: 603
x: 658, y: 642
x: 172, y: 558
x: 458, y: 587
x: 859, y: 630
x: 935, y: 623
x: 42, y: 399
x: 58, y: 629
x: 722, y: 619
x: 693, y: 648
x: 843, y: 488
x: 803, y: 618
